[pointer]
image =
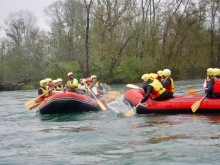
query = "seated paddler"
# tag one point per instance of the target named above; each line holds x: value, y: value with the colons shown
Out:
x: 154, y: 87
x: 214, y: 84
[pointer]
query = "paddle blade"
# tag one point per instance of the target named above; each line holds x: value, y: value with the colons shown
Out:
x: 192, y: 91
x: 29, y: 103
x: 100, y: 104
x: 195, y: 106
x: 34, y: 106
x: 132, y: 86
x: 130, y: 112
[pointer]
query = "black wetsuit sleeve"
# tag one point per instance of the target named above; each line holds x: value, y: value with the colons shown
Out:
x: 40, y: 92
x: 167, y: 83
x: 210, y: 86
x: 147, y: 95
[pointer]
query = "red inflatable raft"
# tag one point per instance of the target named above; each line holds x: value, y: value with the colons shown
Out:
x: 72, y: 102
x: 178, y: 104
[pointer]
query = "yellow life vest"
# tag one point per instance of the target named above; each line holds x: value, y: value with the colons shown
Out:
x: 158, y: 88
x: 88, y: 89
x: 59, y: 88
x: 73, y: 82
x: 46, y: 95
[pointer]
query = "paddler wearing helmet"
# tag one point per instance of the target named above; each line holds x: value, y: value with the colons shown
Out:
x: 154, y: 87
x: 72, y: 83
x: 209, y: 75
x: 214, y: 84
x: 168, y: 82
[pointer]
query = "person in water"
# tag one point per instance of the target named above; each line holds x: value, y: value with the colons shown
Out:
x: 154, y: 87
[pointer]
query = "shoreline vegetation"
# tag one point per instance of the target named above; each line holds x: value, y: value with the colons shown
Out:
x: 118, y: 41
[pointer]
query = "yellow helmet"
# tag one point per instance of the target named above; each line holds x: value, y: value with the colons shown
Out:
x: 59, y: 79
x: 42, y: 82
x: 146, y: 77
x: 70, y: 73
x: 215, y: 71
x: 210, y: 71
x: 48, y: 80
x: 166, y: 72
x: 218, y: 72
x: 153, y: 75
x: 160, y: 72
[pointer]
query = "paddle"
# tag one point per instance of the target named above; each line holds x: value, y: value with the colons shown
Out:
x: 133, y: 86
x: 98, y: 101
x: 194, y: 91
x: 29, y: 103
x: 196, y: 105
x: 130, y: 112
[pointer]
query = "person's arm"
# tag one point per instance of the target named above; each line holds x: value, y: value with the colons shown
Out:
x: 147, y: 95
x: 167, y: 83
x: 40, y: 92
x: 210, y: 86
x: 144, y: 86
x: 205, y: 85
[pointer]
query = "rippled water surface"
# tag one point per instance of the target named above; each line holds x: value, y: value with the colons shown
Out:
x: 105, y: 137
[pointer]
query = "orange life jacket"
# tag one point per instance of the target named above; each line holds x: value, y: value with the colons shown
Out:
x: 170, y: 88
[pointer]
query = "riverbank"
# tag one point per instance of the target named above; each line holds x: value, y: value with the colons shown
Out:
x: 10, y: 87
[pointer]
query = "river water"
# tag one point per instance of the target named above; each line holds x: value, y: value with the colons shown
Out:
x: 105, y: 137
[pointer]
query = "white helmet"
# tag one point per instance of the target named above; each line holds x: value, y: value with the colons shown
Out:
x: 166, y: 72
x: 93, y: 76
x: 59, y: 79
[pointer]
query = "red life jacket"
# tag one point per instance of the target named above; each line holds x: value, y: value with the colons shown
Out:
x: 216, y: 86
x: 170, y: 88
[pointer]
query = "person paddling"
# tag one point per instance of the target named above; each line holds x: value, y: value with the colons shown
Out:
x: 154, y: 87
x: 72, y: 83
x: 100, y: 88
x: 214, y: 84
x: 168, y: 82
x: 208, y: 78
x: 43, y: 89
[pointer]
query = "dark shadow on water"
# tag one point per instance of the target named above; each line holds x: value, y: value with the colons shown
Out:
x: 75, y: 116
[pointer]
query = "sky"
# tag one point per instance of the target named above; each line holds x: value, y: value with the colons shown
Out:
x: 34, y: 6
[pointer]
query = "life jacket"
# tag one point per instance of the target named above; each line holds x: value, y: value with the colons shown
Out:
x: 73, y: 82
x: 216, y: 86
x: 89, y: 89
x: 59, y: 88
x: 169, y: 88
x: 46, y: 95
x: 158, y: 88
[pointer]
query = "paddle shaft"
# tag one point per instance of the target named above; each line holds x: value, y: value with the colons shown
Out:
x: 99, y: 102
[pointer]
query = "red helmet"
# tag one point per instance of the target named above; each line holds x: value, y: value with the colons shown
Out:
x: 88, y: 80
